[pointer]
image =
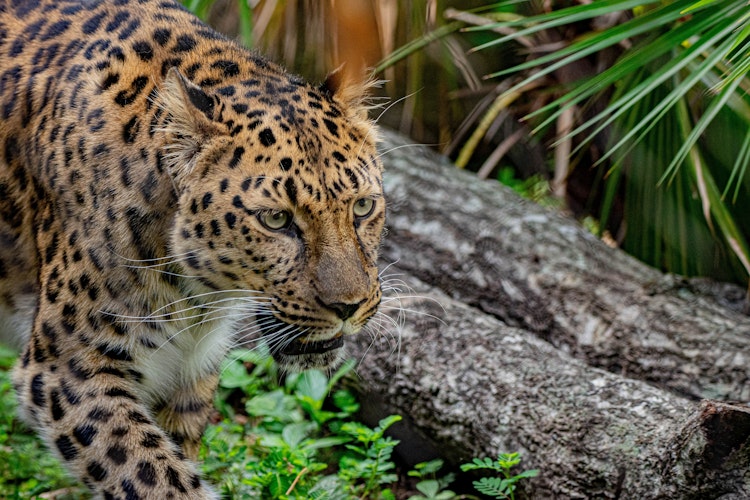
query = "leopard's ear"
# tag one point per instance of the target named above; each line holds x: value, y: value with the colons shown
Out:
x: 349, y: 90
x: 188, y: 121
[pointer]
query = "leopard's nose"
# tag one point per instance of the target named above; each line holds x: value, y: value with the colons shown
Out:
x: 345, y: 311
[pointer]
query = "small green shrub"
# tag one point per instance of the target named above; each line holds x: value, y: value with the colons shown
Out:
x: 296, y: 439
x: 503, y: 486
x: 431, y: 487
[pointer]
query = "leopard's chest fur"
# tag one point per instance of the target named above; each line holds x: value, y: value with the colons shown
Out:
x: 163, y: 191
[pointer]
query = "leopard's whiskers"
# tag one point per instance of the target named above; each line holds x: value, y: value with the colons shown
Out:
x: 186, y: 313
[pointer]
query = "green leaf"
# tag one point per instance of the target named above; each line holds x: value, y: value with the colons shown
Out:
x: 346, y: 402
x: 508, y: 460
x: 695, y: 131
x: 275, y: 405
x: 559, y: 17
x: 476, y: 463
x: 234, y: 375
x: 698, y: 5
x: 273, y: 441
x: 385, y: 423
x: 246, y: 22
x: 426, y: 468
x: 294, y: 433
x: 313, y: 384
x: 326, y: 442
x: 7, y: 357
x: 415, y: 46
x: 695, y: 56
x: 493, y: 486
x: 648, y: 53
x: 445, y: 495
x: 592, y: 43
x: 387, y: 494
x: 679, y: 91
x: 528, y: 474
x: 739, y: 169
x: 651, y: 49
x: 714, y: 206
x: 429, y: 487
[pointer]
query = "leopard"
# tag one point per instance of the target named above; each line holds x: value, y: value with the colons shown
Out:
x: 165, y: 193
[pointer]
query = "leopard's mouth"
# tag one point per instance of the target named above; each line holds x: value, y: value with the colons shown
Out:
x: 304, y: 349
x: 301, y: 346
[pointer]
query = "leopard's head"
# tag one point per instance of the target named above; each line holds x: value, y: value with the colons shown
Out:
x: 280, y: 205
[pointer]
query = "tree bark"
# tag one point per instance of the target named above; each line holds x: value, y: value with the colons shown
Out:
x: 533, y: 336
x: 470, y: 386
x: 536, y: 269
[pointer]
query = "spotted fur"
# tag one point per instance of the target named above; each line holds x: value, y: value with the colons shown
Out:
x: 162, y: 188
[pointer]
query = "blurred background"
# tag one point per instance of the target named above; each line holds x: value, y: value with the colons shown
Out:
x: 632, y: 116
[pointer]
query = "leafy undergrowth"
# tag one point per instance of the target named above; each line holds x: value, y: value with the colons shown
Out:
x: 292, y: 437
x: 291, y: 440
x: 300, y: 440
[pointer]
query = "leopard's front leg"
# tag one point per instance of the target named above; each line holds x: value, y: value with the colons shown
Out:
x: 184, y: 416
x: 89, y: 415
x: 79, y: 385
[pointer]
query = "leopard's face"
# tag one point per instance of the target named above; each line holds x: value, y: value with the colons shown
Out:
x: 283, y: 206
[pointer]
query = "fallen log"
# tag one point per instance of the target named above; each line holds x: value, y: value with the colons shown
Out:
x: 538, y: 270
x: 471, y: 386
x: 533, y: 336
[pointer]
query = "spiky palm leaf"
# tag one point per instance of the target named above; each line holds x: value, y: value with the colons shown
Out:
x: 677, y: 107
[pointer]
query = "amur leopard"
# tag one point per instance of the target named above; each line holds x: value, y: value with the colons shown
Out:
x: 162, y: 189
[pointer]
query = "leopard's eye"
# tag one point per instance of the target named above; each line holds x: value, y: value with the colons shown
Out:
x: 363, y: 207
x: 275, y: 220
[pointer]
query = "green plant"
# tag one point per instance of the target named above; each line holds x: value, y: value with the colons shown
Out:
x: 296, y: 439
x: 644, y: 103
x: 505, y: 485
x: 431, y: 487
x: 369, y: 458
x: 286, y: 438
x: 535, y: 188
